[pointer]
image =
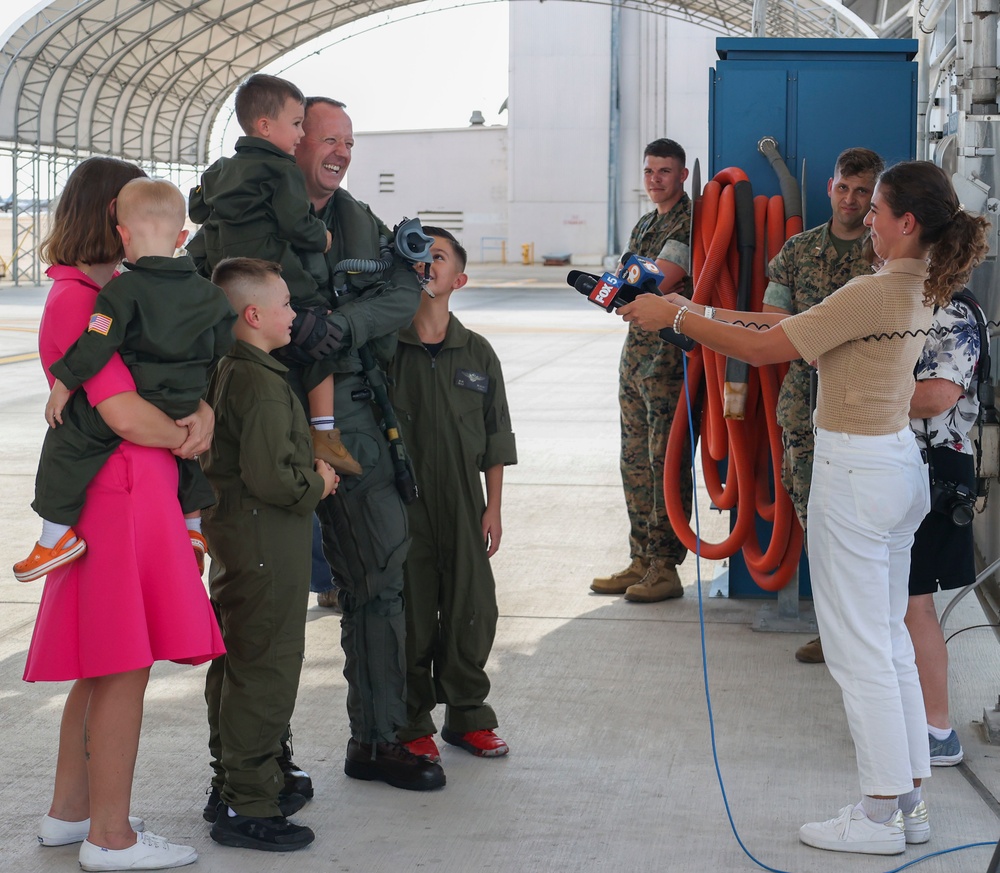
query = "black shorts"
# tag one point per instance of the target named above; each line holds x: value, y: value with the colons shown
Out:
x: 943, y: 553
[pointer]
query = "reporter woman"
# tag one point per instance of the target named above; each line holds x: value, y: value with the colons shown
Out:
x: 870, y: 486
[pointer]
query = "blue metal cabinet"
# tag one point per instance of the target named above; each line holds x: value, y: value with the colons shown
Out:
x: 816, y: 97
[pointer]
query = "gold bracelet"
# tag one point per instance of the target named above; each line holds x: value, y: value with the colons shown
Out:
x: 679, y: 319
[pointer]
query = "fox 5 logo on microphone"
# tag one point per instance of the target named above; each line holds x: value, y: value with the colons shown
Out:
x: 605, y: 291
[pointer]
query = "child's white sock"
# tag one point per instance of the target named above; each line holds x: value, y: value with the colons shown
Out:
x: 52, y: 533
x: 323, y: 422
x: 193, y: 523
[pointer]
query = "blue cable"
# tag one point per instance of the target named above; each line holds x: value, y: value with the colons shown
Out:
x: 704, y: 667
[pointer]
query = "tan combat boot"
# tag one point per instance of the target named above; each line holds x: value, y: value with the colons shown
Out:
x: 328, y: 447
x: 811, y: 652
x: 661, y: 582
x: 618, y: 582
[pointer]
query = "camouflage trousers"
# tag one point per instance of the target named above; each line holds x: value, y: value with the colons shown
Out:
x: 797, y: 468
x: 650, y: 383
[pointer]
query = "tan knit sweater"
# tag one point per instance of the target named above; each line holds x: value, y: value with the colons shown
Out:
x: 865, y: 385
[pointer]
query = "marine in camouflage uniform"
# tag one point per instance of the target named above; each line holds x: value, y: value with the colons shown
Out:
x: 651, y: 376
x: 806, y: 271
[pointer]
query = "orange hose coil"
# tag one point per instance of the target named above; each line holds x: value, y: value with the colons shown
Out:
x: 752, y: 447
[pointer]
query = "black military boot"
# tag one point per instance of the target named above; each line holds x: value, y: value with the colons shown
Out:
x: 392, y: 763
x: 297, y: 781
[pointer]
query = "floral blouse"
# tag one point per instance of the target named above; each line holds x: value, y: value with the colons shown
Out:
x: 951, y: 352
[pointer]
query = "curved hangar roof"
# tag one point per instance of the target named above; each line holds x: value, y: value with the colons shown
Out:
x: 145, y: 79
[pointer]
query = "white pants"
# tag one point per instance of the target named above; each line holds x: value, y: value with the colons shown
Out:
x: 869, y: 495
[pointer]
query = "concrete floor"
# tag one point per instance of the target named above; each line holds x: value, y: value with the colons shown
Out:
x: 602, y: 701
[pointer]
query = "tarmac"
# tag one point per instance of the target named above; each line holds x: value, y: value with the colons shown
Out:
x: 613, y: 752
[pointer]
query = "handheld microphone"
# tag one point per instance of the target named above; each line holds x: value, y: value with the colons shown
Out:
x: 603, y: 290
x: 640, y: 272
x: 610, y: 291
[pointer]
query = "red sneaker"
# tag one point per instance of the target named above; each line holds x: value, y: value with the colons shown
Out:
x: 200, y: 546
x: 43, y: 560
x: 482, y: 744
x: 425, y: 747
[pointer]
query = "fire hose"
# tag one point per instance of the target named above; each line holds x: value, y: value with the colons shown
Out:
x: 734, y: 236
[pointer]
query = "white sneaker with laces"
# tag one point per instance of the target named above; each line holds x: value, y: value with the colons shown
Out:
x: 917, y: 825
x: 853, y: 831
x: 150, y: 852
x: 56, y: 832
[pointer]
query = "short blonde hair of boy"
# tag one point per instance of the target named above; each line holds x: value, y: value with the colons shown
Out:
x: 152, y: 200
x: 242, y: 280
x: 83, y: 226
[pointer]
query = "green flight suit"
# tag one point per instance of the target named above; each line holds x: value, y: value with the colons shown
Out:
x: 170, y: 326
x: 452, y: 411
x: 259, y: 534
x: 364, y: 523
x: 806, y: 271
x: 255, y: 205
x: 650, y: 379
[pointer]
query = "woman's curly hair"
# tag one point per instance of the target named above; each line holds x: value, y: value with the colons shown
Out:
x: 957, y: 239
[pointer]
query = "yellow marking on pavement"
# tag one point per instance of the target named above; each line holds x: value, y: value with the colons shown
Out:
x: 18, y: 329
x: 16, y: 359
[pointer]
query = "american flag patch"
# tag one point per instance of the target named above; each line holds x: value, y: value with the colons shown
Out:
x: 99, y: 324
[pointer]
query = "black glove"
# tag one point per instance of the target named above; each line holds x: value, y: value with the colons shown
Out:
x: 314, y: 335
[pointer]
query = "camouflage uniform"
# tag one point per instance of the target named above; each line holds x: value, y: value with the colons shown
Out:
x: 806, y: 271
x: 651, y: 376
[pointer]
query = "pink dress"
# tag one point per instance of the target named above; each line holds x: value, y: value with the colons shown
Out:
x: 135, y: 597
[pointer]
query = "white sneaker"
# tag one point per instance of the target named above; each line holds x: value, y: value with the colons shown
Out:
x: 853, y: 831
x: 56, y: 832
x: 917, y: 825
x: 150, y: 852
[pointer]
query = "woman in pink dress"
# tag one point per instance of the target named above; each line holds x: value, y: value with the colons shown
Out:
x: 136, y: 596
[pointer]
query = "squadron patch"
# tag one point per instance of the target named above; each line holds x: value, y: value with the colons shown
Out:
x: 472, y: 380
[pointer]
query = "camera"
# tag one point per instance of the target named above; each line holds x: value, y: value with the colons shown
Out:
x: 954, y: 500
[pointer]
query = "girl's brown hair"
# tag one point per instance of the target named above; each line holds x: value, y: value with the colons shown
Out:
x: 83, y: 227
x: 957, y: 239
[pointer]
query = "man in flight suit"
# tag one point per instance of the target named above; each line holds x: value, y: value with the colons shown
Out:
x: 364, y: 525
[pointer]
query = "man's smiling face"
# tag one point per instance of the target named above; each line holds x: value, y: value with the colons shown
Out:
x: 324, y: 152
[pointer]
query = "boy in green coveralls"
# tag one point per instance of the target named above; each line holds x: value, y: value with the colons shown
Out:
x: 262, y: 468
x: 170, y: 326
x: 254, y: 204
x: 452, y: 406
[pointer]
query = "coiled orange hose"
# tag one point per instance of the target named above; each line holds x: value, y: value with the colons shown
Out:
x: 751, y: 448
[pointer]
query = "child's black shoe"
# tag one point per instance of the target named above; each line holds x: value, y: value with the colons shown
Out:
x: 273, y: 834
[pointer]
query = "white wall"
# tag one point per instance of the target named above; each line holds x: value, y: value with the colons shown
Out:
x: 559, y: 111
x: 558, y: 121
x: 461, y: 173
